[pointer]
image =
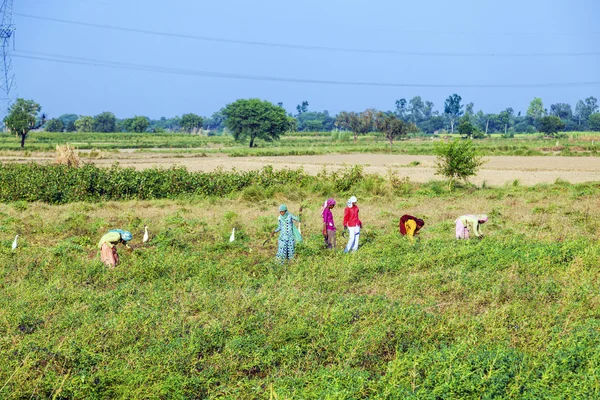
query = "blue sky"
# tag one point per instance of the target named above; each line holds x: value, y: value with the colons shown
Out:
x: 435, y: 26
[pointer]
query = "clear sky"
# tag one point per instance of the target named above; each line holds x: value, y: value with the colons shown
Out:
x: 385, y: 30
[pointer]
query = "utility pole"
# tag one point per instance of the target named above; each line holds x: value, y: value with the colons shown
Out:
x: 7, y: 80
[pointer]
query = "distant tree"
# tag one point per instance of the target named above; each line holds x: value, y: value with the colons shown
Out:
x: 139, y: 124
x: 302, y: 108
x: 292, y: 124
x: 68, y: 121
x: 561, y: 110
x: 505, y: 118
x: 54, y: 125
x: 23, y: 116
x: 416, y: 110
x: 254, y: 118
x: 457, y: 160
x: 392, y: 127
x: 191, y: 122
x: 315, y: 121
x: 361, y: 124
x: 551, y: 124
x: 84, y: 124
x: 428, y: 110
x: 453, y: 109
x: 536, y: 109
x: 401, y: 110
x: 594, y: 122
x: 583, y: 109
x: 465, y: 127
x: 342, y: 120
x: 216, y: 122
x: 105, y: 122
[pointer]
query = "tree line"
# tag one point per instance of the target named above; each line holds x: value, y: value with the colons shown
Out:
x: 254, y: 118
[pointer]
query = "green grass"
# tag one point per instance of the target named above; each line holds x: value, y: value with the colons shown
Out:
x: 191, y: 315
x: 300, y: 143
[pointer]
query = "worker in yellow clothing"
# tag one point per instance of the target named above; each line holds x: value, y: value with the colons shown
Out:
x: 410, y: 226
x: 108, y: 246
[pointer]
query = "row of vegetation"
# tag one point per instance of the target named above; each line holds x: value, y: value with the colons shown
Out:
x: 253, y: 118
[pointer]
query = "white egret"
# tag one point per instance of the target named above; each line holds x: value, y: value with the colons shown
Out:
x: 232, y: 237
x: 146, y: 237
x: 15, y: 243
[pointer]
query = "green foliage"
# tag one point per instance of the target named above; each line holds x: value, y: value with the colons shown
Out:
x: 254, y: 119
x: 191, y: 122
x: 457, y: 160
x: 54, y: 125
x: 105, y: 122
x: 68, y: 121
x: 550, y: 125
x: 536, y: 109
x: 23, y: 117
x: 84, y: 124
x: 136, y: 124
x: 594, y: 122
x: 465, y: 127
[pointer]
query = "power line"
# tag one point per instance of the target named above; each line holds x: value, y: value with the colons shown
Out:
x: 305, y: 47
x: 65, y: 59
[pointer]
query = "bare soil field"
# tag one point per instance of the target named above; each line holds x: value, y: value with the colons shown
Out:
x: 498, y: 170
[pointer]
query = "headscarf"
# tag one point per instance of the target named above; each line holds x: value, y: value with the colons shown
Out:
x: 125, y: 235
x: 329, y: 202
x: 351, y: 200
x: 283, y: 207
x: 482, y: 218
x: 420, y: 223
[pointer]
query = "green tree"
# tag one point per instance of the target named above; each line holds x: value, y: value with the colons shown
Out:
x: 536, y: 109
x: 465, y: 127
x: 505, y: 118
x: 302, y: 108
x: 292, y: 124
x: 457, y: 160
x: 84, y: 124
x: 139, y: 124
x: 561, y: 110
x: 594, y: 121
x: 392, y: 127
x: 551, y: 124
x: 585, y: 108
x: 68, y: 121
x: 453, y: 109
x: 54, y: 125
x: 105, y: 122
x: 23, y: 116
x: 361, y: 124
x: 416, y: 110
x: 191, y: 122
x: 254, y: 118
x: 401, y: 110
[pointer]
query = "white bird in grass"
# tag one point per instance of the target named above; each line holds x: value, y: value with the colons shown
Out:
x: 15, y: 243
x: 232, y: 237
x: 146, y: 237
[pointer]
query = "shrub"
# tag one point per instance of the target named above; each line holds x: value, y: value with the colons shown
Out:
x: 457, y: 160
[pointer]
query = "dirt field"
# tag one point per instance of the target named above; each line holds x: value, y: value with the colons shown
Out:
x: 497, y: 170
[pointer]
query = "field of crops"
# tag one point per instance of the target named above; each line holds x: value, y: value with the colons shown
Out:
x: 191, y: 315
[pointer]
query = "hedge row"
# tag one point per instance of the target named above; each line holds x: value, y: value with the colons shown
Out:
x: 58, y: 184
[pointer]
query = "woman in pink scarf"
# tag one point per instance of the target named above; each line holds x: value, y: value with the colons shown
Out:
x: 467, y: 225
x: 328, y: 224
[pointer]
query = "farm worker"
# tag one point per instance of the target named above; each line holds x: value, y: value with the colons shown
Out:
x: 288, y: 233
x: 470, y: 224
x: 410, y: 226
x: 352, y: 224
x: 328, y: 224
x: 108, y: 246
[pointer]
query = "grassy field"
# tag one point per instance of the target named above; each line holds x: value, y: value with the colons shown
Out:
x: 190, y: 315
x: 300, y: 143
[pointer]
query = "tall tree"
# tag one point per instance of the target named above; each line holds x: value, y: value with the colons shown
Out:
x: 594, y: 121
x: 302, y: 108
x: 585, y: 108
x: 401, y: 110
x: 139, y: 124
x: 505, y: 118
x: 84, y: 124
x: 361, y: 124
x: 561, y: 110
x: 105, y: 122
x: 453, y: 109
x: 416, y: 109
x: 23, y: 116
x: 551, y: 124
x: 191, y: 122
x: 536, y: 109
x: 255, y: 118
